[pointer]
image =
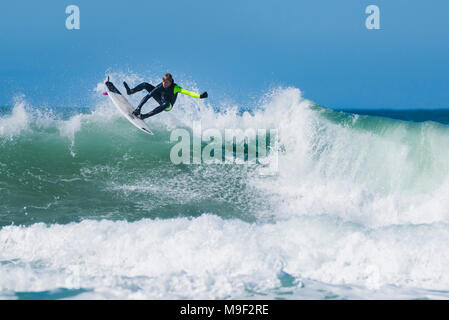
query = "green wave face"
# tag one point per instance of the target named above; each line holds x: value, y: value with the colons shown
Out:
x: 108, y: 169
x: 68, y: 165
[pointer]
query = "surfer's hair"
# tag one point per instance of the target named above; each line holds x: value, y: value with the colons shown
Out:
x: 167, y: 76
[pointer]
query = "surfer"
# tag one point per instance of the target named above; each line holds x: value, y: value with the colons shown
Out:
x: 165, y: 93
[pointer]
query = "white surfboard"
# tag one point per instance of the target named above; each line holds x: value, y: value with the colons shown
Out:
x: 125, y: 108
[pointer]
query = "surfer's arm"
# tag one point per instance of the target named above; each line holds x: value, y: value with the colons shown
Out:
x: 178, y: 89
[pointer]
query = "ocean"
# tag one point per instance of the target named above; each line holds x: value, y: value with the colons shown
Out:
x: 92, y: 208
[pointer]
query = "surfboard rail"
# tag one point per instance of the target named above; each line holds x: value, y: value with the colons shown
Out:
x: 125, y: 107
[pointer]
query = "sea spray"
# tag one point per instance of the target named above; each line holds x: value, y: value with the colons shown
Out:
x: 358, y: 207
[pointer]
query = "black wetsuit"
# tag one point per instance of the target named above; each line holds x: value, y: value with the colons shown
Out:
x: 166, y: 97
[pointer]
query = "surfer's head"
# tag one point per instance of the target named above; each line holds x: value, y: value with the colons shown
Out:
x: 167, y: 80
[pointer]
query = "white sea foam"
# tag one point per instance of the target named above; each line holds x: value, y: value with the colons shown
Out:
x: 16, y: 122
x: 208, y: 257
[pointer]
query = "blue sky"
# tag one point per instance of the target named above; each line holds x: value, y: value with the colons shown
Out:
x: 235, y: 49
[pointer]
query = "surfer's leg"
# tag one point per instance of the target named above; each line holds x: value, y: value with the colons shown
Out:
x: 140, y: 87
x: 155, y: 111
x: 156, y: 97
x: 142, y: 102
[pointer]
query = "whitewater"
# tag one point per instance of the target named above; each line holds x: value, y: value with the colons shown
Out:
x: 91, y: 208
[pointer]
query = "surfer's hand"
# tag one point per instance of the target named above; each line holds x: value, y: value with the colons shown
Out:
x: 203, y: 95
